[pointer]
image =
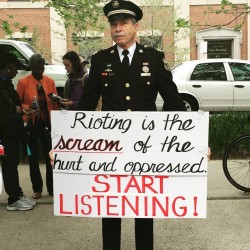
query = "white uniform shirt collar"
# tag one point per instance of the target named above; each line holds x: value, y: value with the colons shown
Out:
x: 130, y: 54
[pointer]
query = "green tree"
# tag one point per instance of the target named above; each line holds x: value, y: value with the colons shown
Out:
x: 76, y: 14
x: 83, y: 22
x: 8, y: 25
x: 238, y: 12
x: 162, y: 28
x: 89, y: 44
x: 159, y: 21
x: 79, y: 15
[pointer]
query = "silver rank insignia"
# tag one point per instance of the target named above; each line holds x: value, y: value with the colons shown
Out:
x: 108, y: 68
x: 166, y: 64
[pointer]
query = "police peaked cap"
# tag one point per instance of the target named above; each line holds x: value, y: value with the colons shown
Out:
x: 122, y: 9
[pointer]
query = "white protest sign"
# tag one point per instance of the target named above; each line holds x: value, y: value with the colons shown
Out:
x: 130, y: 164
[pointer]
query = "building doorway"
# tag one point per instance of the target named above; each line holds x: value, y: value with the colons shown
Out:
x: 221, y: 43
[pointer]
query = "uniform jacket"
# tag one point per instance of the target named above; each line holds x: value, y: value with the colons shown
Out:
x: 135, y: 91
x: 27, y: 89
x: 11, y: 124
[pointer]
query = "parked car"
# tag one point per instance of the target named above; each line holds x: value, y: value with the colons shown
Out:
x: 213, y: 84
x: 24, y: 51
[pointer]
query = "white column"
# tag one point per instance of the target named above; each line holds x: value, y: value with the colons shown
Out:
x: 58, y: 37
x: 248, y: 33
x: 182, y: 11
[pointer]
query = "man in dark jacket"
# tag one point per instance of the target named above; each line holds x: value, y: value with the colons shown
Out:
x: 128, y: 76
x: 11, y: 131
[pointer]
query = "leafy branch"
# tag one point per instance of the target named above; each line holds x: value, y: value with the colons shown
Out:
x: 8, y: 26
x: 79, y: 14
x: 238, y: 13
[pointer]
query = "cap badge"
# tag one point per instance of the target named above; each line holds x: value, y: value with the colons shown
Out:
x: 115, y: 4
x: 145, y: 69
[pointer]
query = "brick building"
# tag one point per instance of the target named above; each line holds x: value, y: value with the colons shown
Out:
x: 223, y: 42
x: 203, y: 40
x: 42, y: 23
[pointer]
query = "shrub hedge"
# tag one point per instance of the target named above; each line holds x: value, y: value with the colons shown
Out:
x: 224, y: 127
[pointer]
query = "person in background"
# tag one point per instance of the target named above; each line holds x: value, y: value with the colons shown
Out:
x: 11, y: 132
x: 77, y: 77
x: 33, y: 91
x: 84, y: 62
x: 128, y: 76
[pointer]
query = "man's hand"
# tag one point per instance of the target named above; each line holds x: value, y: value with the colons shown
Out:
x: 67, y: 103
x: 29, y: 111
x: 208, y: 153
x: 51, y: 157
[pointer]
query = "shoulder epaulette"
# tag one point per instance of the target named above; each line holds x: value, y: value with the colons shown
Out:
x: 101, y: 51
x: 149, y: 47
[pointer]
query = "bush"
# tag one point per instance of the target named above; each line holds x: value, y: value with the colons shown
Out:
x: 224, y: 127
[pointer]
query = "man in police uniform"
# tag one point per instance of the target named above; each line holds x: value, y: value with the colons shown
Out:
x: 128, y: 88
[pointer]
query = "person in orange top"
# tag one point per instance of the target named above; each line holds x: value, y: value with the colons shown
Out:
x: 37, y: 120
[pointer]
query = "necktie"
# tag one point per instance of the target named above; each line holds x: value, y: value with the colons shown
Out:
x: 125, y: 62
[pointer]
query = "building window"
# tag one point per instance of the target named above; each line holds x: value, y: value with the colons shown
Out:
x: 152, y: 41
x: 88, y: 46
x: 89, y: 42
x: 152, y: 38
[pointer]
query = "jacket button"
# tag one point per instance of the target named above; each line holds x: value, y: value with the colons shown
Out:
x: 127, y: 98
x: 106, y: 85
x: 127, y: 85
x: 148, y: 83
x: 129, y: 110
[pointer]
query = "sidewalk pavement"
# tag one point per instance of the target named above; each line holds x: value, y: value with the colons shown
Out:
x: 225, y: 228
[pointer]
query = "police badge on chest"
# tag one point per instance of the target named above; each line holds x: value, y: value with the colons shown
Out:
x: 145, y: 69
